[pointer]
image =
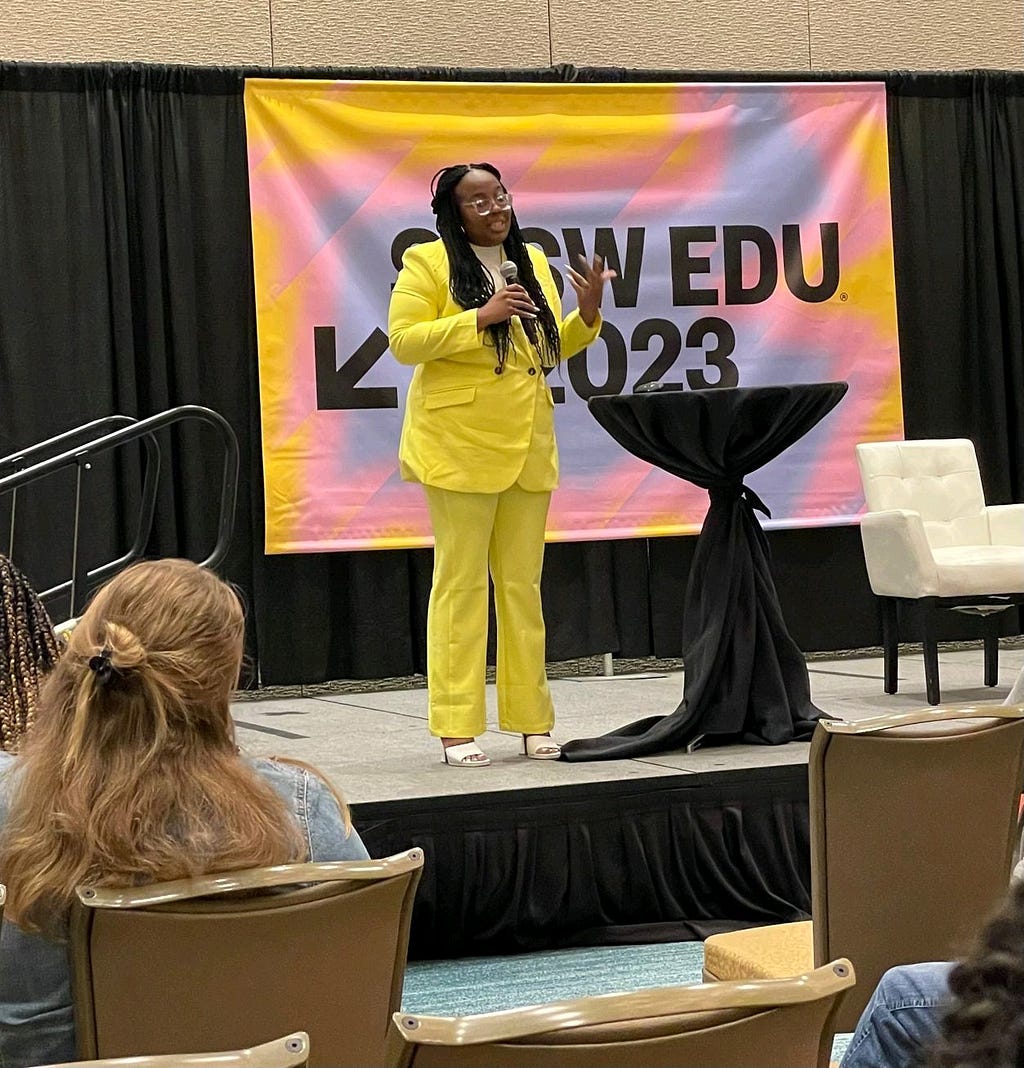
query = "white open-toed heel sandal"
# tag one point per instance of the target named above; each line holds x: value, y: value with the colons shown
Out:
x: 541, y: 747
x: 465, y: 755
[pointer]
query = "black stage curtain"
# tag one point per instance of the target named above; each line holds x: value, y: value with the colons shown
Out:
x: 128, y: 288
x: 604, y: 863
x: 956, y: 157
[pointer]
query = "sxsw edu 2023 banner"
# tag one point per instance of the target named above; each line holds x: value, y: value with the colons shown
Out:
x: 749, y: 225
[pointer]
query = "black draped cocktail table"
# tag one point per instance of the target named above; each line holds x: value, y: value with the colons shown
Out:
x: 744, y: 679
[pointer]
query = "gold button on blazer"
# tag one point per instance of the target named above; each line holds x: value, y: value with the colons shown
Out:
x: 465, y: 427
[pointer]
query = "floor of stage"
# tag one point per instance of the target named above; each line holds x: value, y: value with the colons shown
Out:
x: 375, y: 745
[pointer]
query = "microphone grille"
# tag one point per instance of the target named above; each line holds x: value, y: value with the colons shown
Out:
x: 508, y: 270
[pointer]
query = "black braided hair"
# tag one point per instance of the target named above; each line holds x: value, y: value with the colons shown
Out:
x: 984, y: 1024
x: 470, y: 283
x: 28, y: 649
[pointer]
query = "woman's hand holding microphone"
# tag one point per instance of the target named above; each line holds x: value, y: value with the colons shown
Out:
x: 588, y: 281
x: 507, y: 302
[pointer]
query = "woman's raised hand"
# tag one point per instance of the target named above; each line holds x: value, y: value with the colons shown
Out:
x: 588, y: 281
x: 512, y: 300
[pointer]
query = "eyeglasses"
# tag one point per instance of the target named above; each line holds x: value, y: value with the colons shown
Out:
x: 485, y: 205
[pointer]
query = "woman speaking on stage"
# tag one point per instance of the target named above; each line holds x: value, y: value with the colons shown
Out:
x: 478, y: 316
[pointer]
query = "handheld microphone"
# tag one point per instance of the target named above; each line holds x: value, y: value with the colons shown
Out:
x: 510, y: 272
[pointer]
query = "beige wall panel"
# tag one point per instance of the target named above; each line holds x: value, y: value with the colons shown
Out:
x: 408, y: 33
x: 916, y: 34
x: 694, y: 35
x: 175, y: 31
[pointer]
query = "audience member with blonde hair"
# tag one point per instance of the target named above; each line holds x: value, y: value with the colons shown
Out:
x: 28, y: 650
x: 131, y: 775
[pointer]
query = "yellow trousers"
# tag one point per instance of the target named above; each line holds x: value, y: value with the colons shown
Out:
x: 473, y: 533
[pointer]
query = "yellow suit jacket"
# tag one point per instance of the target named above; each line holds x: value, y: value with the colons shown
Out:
x: 465, y: 427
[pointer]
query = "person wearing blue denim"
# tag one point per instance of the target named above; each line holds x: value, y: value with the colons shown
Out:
x: 902, y: 1018
x: 130, y: 774
x: 945, y: 1015
x: 36, y: 1021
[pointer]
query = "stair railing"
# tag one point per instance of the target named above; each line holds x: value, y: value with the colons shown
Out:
x: 25, y: 466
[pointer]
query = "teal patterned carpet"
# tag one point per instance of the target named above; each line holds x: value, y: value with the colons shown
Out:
x: 489, y: 984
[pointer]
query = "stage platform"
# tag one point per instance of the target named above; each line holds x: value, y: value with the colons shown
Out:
x: 529, y: 854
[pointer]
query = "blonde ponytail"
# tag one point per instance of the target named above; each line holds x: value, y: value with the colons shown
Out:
x: 131, y: 773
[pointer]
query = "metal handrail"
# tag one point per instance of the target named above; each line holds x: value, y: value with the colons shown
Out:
x: 79, y: 456
x: 143, y: 429
x: 17, y: 461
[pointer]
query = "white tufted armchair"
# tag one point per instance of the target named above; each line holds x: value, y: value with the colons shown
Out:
x: 929, y: 538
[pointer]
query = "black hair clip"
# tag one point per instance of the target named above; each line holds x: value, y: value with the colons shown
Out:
x: 102, y: 666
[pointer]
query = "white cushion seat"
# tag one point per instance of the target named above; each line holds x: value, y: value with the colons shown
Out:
x: 973, y: 570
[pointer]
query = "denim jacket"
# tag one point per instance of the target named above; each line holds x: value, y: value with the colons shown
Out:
x: 36, y: 1018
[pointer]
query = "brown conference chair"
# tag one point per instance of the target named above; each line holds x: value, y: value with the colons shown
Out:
x: 235, y: 957
x: 774, y: 1023
x: 913, y: 822
x: 292, y: 1051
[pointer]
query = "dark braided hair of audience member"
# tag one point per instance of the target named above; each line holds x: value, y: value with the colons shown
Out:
x: 29, y: 649
x: 984, y: 1024
x: 471, y: 285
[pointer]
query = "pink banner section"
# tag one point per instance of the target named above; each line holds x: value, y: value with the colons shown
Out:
x: 749, y: 224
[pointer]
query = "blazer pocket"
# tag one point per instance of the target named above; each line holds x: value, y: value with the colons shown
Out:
x: 447, y: 398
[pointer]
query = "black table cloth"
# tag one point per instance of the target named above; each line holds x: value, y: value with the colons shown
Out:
x: 744, y: 680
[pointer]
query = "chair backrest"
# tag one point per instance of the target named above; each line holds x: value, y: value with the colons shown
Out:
x: 938, y: 479
x: 320, y: 947
x: 913, y: 827
x: 760, y: 1024
x: 292, y: 1051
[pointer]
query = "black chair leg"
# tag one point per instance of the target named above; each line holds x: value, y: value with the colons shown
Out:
x: 890, y: 643
x: 991, y: 659
x: 931, y: 653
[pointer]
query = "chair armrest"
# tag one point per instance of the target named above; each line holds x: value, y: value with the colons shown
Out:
x: 898, y: 556
x: 1005, y: 524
